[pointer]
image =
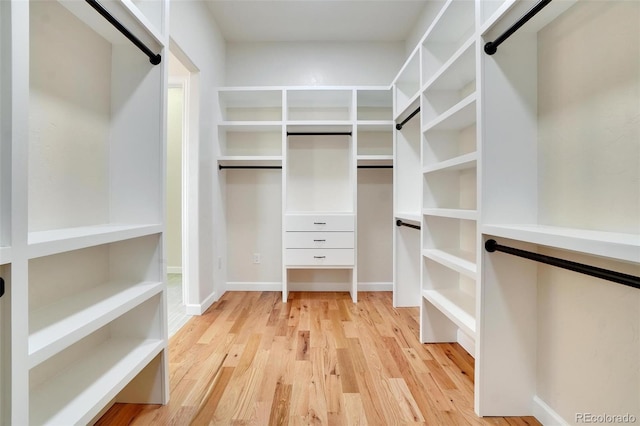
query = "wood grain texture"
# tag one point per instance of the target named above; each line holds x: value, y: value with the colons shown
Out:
x: 317, y: 360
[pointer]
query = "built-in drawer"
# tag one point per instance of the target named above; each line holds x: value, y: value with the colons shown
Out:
x: 319, y: 240
x: 320, y: 222
x: 319, y: 257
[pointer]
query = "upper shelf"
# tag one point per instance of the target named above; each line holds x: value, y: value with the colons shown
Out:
x: 613, y: 245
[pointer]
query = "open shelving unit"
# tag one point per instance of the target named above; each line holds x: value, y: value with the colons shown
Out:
x: 81, y: 224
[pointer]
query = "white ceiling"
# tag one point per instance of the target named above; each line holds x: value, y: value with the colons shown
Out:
x: 316, y: 20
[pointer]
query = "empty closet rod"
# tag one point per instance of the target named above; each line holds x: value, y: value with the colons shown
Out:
x: 401, y: 223
x: 221, y: 167
x: 375, y: 167
x: 153, y: 58
x: 318, y: 133
x: 605, y: 274
x: 400, y: 125
x: 492, y: 47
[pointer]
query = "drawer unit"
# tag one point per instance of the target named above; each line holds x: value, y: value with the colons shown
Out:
x: 319, y: 257
x: 311, y: 240
x: 320, y: 222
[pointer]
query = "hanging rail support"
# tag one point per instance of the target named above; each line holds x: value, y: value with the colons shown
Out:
x: 153, y: 58
x: 318, y: 133
x: 408, y: 225
x: 605, y: 274
x: 492, y: 47
x: 413, y: 114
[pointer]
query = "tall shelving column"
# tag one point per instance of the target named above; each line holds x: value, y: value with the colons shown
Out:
x: 449, y: 169
x: 559, y: 177
x: 87, y: 272
x: 320, y: 198
x: 407, y: 184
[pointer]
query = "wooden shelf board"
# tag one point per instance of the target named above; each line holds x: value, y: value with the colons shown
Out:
x: 461, y: 261
x: 619, y: 246
x: 457, y: 305
x: 57, y: 326
x: 463, y: 162
x: 91, y: 383
x: 452, y: 213
x: 45, y: 243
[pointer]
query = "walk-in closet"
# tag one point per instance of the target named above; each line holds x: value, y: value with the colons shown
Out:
x: 345, y: 212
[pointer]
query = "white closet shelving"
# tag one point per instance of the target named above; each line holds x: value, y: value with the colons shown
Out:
x: 83, y: 320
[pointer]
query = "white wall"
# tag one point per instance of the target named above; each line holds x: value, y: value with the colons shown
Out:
x: 195, y: 32
x: 173, y: 223
x: 313, y: 64
x: 589, y: 162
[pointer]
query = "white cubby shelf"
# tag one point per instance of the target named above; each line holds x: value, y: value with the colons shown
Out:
x: 461, y: 261
x: 459, y: 116
x: 457, y: 305
x: 462, y: 162
x: 464, y: 214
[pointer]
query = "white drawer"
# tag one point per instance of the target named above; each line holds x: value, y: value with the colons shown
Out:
x: 318, y: 240
x: 320, y: 222
x: 319, y: 257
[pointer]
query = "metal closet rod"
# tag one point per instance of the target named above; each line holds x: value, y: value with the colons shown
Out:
x: 221, y: 167
x: 318, y: 133
x: 1, y: 286
x: 492, y: 47
x: 408, y: 225
x: 605, y: 274
x: 153, y: 58
x: 413, y: 114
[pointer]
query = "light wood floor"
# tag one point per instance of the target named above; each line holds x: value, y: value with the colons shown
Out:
x: 319, y: 359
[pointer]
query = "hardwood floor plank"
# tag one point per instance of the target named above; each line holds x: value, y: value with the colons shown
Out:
x: 318, y: 359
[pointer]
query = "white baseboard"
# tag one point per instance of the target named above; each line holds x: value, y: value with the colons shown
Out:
x: 199, y: 309
x: 546, y: 415
x: 467, y: 342
x: 277, y: 286
x: 174, y: 269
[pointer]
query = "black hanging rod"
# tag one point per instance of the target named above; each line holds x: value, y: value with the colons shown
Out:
x: 318, y: 133
x: 400, y: 125
x: 375, y: 167
x: 492, y: 47
x: 153, y: 58
x: 401, y: 223
x: 605, y: 274
x: 221, y: 167
x: 1, y: 286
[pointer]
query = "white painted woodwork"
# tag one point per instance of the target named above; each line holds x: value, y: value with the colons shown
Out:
x: 81, y: 216
x: 331, y: 258
x: 310, y: 240
x: 320, y: 222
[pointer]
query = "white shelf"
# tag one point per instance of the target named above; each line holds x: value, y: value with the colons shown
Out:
x: 59, y: 325
x: 250, y: 160
x: 319, y: 125
x: 613, y: 245
x: 414, y: 218
x: 452, y: 213
x: 45, y: 243
x: 461, y: 261
x: 6, y: 255
x: 462, y: 162
x: 457, y: 305
x: 250, y: 126
x: 375, y: 125
x: 457, y: 71
x: 459, y: 116
x: 90, y: 384
x: 375, y: 160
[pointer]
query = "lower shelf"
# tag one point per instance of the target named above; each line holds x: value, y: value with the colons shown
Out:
x: 457, y: 305
x: 77, y: 394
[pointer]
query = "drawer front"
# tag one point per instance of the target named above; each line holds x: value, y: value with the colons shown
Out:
x: 309, y: 240
x: 319, y: 257
x: 309, y: 222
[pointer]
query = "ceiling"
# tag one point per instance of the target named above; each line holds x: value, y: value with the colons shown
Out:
x: 316, y: 20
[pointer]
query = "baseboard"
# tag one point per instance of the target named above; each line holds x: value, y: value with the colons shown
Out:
x: 277, y: 286
x: 174, y: 269
x: 467, y: 342
x: 253, y: 286
x: 546, y: 415
x: 199, y: 309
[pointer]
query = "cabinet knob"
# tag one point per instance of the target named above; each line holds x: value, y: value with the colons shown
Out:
x: 319, y: 257
x: 319, y: 223
x: 319, y: 241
